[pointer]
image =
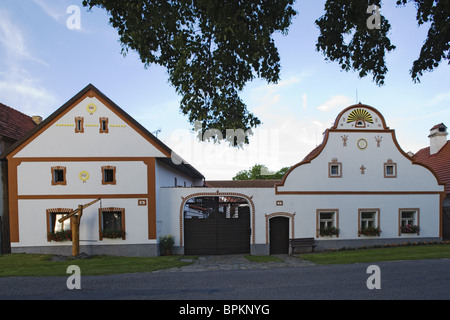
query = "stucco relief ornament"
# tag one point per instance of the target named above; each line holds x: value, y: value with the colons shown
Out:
x: 344, y: 140
x: 84, y: 176
x: 378, y: 140
x: 91, y: 108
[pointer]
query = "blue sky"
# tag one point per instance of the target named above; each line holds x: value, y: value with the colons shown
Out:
x: 43, y: 64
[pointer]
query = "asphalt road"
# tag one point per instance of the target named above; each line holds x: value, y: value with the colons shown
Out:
x: 402, y: 280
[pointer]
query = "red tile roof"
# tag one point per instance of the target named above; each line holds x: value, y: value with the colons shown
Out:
x: 14, y: 124
x: 439, y: 162
x: 242, y: 183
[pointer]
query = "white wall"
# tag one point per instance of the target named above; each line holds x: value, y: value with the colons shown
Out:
x: 33, y: 222
x: 34, y: 178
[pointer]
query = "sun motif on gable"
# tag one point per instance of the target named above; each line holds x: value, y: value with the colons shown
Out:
x: 361, y: 117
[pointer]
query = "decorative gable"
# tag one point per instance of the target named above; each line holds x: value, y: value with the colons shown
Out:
x: 90, y: 125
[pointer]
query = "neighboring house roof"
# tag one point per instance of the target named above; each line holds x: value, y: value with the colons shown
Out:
x: 183, y: 167
x: 242, y: 183
x: 14, y: 124
x: 439, y: 162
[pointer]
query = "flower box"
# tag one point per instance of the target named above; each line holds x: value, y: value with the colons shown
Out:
x: 65, y: 235
x: 329, y: 231
x: 410, y: 229
x: 370, y: 231
x: 112, y: 234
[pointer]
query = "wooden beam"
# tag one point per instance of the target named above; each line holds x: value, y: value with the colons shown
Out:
x: 67, y: 216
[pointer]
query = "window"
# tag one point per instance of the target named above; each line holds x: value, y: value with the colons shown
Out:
x: 104, y: 125
x: 59, y: 176
x: 327, y: 222
x: 112, y: 223
x: 54, y: 226
x: 408, y: 221
x: 108, y: 175
x: 390, y: 169
x: 369, y: 222
x: 79, y: 125
x: 334, y: 169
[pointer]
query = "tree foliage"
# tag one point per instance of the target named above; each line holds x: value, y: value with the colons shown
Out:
x: 366, y: 50
x: 345, y: 38
x: 260, y: 172
x: 210, y: 48
x: 437, y: 44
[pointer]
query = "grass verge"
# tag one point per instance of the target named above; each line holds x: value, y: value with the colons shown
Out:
x: 42, y: 265
x: 382, y: 254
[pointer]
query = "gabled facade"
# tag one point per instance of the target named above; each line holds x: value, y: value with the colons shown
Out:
x: 357, y: 188
x: 90, y: 149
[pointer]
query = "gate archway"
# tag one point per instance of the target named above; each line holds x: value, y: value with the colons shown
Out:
x: 216, y: 224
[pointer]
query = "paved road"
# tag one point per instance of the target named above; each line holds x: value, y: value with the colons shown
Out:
x: 423, y: 279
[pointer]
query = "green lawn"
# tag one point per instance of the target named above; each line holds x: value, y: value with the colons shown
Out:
x: 41, y: 265
x: 382, y: 254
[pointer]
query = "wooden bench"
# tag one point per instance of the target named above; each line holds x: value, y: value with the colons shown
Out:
x: 301, y: 242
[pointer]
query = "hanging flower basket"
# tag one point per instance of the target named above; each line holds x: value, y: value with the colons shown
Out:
x: 410, y: 229
x: 112, y: 234
x: 65, y: 235
x: 370, y: 231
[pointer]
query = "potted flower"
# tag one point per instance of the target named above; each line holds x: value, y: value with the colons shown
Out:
x: 166, y: 243
x: 64, y: 235
x: 410, y: 229
x: 329, y: 231
x: 370, y: 231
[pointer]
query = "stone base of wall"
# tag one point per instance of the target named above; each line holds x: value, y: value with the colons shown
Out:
x: 337, y: 244
x: 129, y: 250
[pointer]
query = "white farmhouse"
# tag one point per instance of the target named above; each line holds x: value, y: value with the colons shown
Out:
x: 357, y: 188
x: 88, y: 149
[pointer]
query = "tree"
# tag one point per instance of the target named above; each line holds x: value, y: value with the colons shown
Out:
x: 366, y: 50
x: 260, y: 172
x: 210, y: 48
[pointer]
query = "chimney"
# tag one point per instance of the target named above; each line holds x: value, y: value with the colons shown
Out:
x: 37, y: 119
x: 438, y: 138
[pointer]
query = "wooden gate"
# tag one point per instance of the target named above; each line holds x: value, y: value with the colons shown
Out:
x: 218, y: 233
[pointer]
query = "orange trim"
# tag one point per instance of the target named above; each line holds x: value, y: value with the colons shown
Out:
x: 81, y: 196
x: 151, y: 197
x: 13, y: 200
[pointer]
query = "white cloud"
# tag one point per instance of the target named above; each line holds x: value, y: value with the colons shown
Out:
x: 13, y: 41
x: 340, y: 101
x: 54, y: 9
